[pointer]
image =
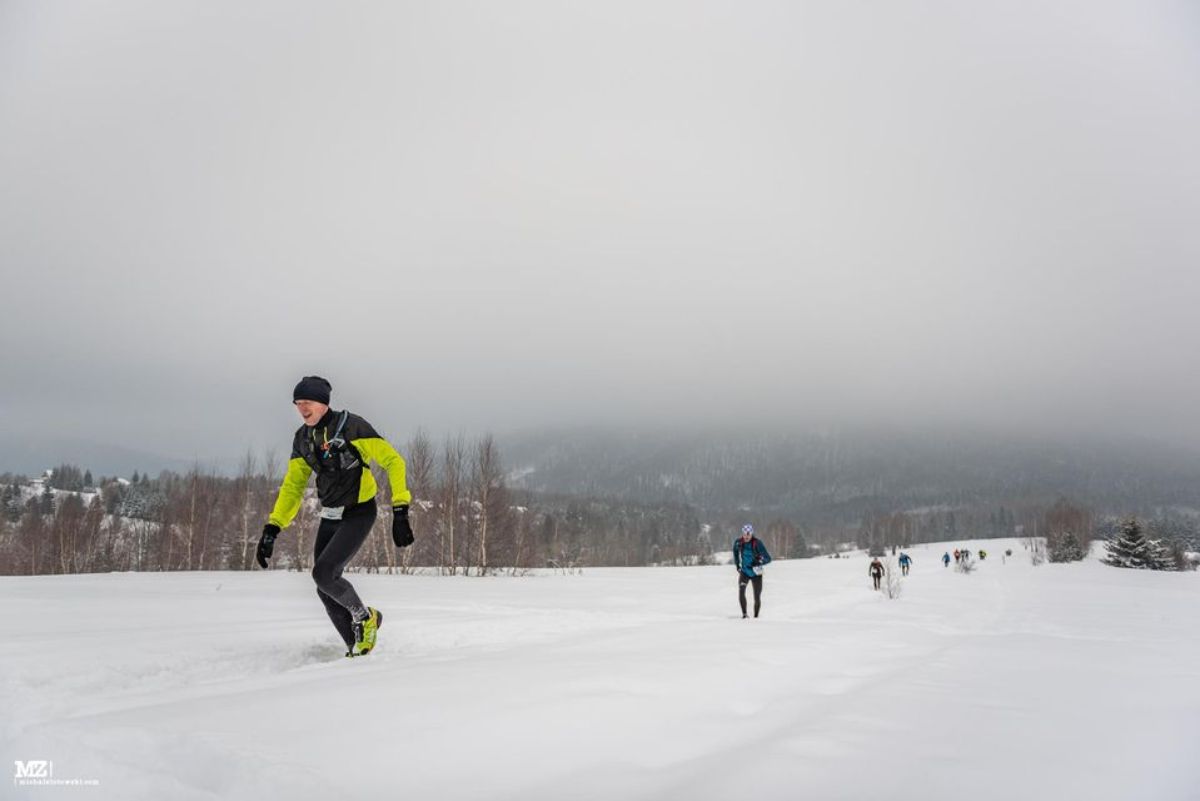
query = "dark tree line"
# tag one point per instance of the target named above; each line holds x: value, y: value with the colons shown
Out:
x: 470, y: 521
x: 467, y: 520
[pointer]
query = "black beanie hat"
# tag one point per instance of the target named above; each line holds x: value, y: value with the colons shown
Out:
x: 313, y: 388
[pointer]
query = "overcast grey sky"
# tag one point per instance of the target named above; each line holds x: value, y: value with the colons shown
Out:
x: 507, y: 214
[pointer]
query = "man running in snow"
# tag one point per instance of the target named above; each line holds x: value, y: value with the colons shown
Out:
x: 946, y: 559
x: 905, y: 563
x: 749, y: 557
x: 876, y: 571
x: 338, y: 447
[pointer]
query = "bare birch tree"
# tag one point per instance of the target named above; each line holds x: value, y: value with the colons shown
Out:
x: 454, y: 456
x: 487, y: 487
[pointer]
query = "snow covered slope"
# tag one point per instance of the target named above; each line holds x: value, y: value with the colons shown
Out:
x: 1015, y: 682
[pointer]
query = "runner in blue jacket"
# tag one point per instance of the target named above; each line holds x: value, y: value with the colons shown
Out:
x: 749, y: 557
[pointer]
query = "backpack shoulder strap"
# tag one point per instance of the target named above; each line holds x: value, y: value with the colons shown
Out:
x: 337, y: 432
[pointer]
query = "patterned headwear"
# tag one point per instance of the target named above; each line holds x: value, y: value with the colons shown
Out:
x: 747, y: 529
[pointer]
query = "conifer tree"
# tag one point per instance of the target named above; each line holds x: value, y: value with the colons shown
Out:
x: 1130, y: 548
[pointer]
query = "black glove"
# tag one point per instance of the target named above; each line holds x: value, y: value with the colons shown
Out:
x: 402, y: 533
x: 266, y: 544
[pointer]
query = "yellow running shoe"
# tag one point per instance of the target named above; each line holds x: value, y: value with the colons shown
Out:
x: 365, y: 632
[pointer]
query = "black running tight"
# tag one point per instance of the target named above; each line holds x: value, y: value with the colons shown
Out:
x: 743, y: 580
x: 337, y: 542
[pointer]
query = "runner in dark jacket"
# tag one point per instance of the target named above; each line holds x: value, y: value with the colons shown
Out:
x: 338, y: 447
x: 876, y: 571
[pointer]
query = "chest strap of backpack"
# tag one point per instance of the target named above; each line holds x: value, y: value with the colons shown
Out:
x: 336, y: 440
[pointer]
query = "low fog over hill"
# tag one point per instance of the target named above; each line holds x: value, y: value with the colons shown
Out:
x: 839, y: 475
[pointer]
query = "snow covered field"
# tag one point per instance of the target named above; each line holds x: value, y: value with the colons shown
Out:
x: 1056, y: 682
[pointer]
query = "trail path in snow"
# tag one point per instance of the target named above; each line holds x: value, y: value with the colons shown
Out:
x: 1061, y: 681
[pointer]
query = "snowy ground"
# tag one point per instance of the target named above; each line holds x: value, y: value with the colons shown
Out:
x: 1055, y: 682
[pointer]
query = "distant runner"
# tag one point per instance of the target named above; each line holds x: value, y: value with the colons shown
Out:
x: 875, y: 571
x: 749, y: 557
x: 905, y: 563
